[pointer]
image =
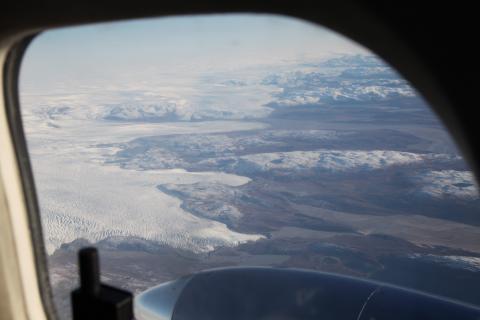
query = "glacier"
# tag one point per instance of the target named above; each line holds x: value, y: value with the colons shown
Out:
x: 82, y: 197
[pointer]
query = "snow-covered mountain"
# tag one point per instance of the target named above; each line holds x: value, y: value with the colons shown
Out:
x: 449, y: 183
x: 355, y: 78
x: 345, y: 79
x: 327, y: 160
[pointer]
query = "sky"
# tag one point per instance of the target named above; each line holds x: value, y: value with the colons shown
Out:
x: 174, y: 46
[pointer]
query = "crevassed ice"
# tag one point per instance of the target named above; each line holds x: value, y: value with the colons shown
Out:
x: 117, y: 202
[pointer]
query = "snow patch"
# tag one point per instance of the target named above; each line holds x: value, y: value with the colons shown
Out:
x: 449, y: 183
x: 459, y: 262
x: 331, y: 160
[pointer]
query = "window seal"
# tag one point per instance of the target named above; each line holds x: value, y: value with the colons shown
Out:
x: 11, y: 74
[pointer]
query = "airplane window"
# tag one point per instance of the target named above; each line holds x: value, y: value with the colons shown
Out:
x: 187, y: 143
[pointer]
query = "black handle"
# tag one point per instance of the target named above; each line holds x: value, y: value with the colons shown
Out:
x: 89, y: 271
x: 94, y: 300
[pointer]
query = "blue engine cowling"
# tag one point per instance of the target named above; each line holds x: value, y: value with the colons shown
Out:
x: 270, y: 293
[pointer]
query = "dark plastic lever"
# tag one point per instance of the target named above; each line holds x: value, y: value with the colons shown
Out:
x: 94, y: 300
x: 89, y: 271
